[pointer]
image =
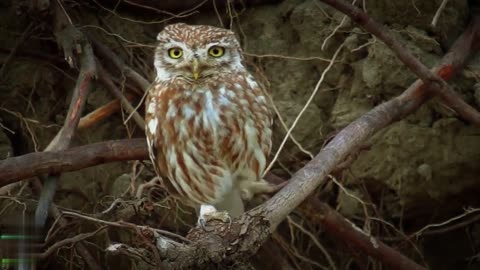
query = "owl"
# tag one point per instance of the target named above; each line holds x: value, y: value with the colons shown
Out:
x: 208, y: 126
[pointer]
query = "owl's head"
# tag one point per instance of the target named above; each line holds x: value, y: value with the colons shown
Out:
x: 195, y: 52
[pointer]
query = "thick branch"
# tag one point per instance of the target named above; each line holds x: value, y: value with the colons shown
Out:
x: 22, y: 167
x: 308, y: 178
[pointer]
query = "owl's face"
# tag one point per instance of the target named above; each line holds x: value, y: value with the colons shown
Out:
x: 196, y: 52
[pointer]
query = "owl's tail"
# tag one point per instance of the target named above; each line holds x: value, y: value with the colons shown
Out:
x: 232, y: 203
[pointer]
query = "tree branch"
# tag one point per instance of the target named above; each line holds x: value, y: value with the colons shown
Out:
x: 76, y: 158
x: 436, y: 84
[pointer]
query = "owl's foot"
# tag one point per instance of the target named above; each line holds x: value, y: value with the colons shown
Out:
x: 250, y: 189
x: 209, y: 212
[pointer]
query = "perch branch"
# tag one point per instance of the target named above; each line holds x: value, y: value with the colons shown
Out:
x: 436, y: 84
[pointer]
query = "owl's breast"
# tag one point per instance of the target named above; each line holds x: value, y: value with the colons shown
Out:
x: 207, y: 133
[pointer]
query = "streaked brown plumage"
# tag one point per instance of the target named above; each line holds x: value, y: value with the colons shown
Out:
x: 207, y: 123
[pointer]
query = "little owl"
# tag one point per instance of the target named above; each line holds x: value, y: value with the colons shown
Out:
x: 208, y: 127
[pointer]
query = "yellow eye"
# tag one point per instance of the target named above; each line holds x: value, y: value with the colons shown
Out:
x: 175, y: 53
x: 216, y: 51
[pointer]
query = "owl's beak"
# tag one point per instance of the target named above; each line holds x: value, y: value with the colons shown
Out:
x: 195, y: 69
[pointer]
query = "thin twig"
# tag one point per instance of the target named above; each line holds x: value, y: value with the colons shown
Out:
x: 105, y: 79
x: 77, y: 238
x: 124, y: 224
x: 106, y: 53
x: 315, y: 90
x: 439, y: 11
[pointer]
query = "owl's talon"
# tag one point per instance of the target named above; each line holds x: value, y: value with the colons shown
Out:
x: 209, y: 212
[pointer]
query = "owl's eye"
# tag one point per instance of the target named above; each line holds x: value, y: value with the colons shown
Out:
x: 216, y: 51
x: 175, y: 53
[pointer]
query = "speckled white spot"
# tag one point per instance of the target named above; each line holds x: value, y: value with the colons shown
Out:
x: 222, y: 90
x: 188, y: 112
x: 230, y: 94
x: 151, y: 107
x: 114, y: 247
x: 152, y: 125
x: 251, y: 82
x: 210, y: 113
x: 260, y: 99
x: 243, y: 102
x: 172, y: 111
x: 172, y: 160
x: 253, y: 144
x: 223, y: 100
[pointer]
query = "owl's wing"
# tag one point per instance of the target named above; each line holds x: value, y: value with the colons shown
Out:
x: 153, y: 134
x: 247, y: 143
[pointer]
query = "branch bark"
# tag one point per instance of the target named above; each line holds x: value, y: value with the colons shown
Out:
x: 76, y: 158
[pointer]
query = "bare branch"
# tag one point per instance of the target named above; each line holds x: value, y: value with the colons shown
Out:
x: 72, y: 240
x: 22, y: 167
x: 341, y: 228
